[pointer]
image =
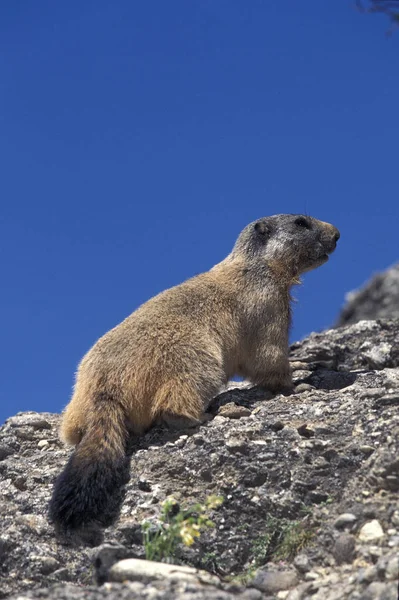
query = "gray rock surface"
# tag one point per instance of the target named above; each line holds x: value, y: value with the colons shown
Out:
x: 378, y: 298
x: 306, y: 461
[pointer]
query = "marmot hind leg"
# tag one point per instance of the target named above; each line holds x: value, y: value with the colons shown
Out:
x: 72, y: 426
x: 180, y: 405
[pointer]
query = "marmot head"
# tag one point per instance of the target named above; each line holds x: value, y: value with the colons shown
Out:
x: 291, y: 244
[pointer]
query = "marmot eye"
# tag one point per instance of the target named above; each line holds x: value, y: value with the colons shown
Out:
x: 302, y: 222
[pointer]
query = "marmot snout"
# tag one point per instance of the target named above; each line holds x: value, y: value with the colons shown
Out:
x: 173, y: 354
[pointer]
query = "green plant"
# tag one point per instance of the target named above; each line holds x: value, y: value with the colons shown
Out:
x: 177, y: 526
x: 281, y: 540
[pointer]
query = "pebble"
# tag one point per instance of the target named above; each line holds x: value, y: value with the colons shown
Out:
x: 344, y: 520
x: 297, y: 365
x: 234, y: 411
x: 42, y: 443
x: 301, y: 563
x: 298, y: 375
x: 380, y: 591
x: 236, y: 443
x: 134, y: 569
x: 367, y: 575
x: 311, y: 576
x: 365, y: 449
x: 392, y: 569
x: 180, y: 442
x: 272, y: 582
x: 303, y: 387
x: 395, y: 518
x: 290, y: 433
x: 48, y: 565
x: 344, y: 549
x: 371, y: 531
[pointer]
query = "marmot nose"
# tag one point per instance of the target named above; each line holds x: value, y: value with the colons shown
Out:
x: 336, y: 235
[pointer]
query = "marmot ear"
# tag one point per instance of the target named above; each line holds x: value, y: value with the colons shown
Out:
x: 262, y: 229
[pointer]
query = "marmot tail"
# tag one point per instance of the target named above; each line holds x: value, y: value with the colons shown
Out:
x: 89, y: 488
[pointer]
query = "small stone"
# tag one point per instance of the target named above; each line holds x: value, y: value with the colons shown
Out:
x: 301, y: 563
x: 302, y: 591
x: 42, y: 443
x: 251, y: 594
x: 206, y: 475
x: 378, y: 356
x: 380, y: 591
x: 5, y: 451
x: 48, y: 565
x: 277, y: 426
x: 144, y: 485
x: 392, y: 483
x: 311, y: 576
x: 344, y: 520
x: 234, y: 411
x: 367, y: 450
x: 371, y: 531
x: 20, y: 483
x: 303, y: 387
x: 181, y: 441
x: 236, y: 444
x: 105, y: 557
x: 344, y: 549
x: 272, y: 582
x: 395, y: 518
x: 33, y: 523
x: 134, y: 569
x: 290, y: 434
x: 34, y: 420
x: 131, y: 532
x: 297, y: 365
x: 388, y: 400
x: 367, y: 575
x: 62, y: 574
x: 392, y: 569
x: 317, y: 497
x: 305, y: 431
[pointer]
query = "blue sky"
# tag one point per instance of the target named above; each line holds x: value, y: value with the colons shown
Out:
x: 138, y: 139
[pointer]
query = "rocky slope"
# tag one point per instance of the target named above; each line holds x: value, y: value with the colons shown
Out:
x: 310, y: 485
x: 379, y: 298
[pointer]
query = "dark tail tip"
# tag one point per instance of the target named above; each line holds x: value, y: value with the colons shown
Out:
x: 88, y: 493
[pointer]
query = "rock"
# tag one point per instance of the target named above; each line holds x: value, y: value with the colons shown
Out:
x: 303, y: 387
x: 377, y: 299
x: 391, y: 399
x: 392, y: 568
x: 371, y: 531
x: 344, y: 549
x: 345, y: 520
x: 272, y: 582
x: 42, y: 443
x: 380, y: 591
x: 104, y: 558
x: 330, y: 348
x: 367, y: 575
x: 146, y: 571
x: 289, y: 474
x: 234, y: 411
x: 301, y: 563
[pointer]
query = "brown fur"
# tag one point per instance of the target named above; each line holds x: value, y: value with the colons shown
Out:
x: 170, y: 357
